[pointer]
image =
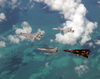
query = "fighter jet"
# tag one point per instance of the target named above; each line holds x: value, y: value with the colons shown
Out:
x: 50, y: 50
x: 79, y: 52
x: 64, y: 30
x: 31, y: 36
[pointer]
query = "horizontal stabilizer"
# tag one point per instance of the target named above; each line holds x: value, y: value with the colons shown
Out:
x: 54, y: 28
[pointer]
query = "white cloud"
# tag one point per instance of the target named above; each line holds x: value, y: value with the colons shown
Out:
x: 32, y: 6
x: 2, y: 44
x: 14, y: 3
x: 90, y: 44
x: 26, y: 28
x: 75, y: 13
x: 30, y: 1
x: 2, y: 3
x: 3, y: 38
x: 51, y: 40
x: 46, y: 65
x: 42, y: 32
x: 82, y: 69
x: 44, y: 7
x: 2, y: 17
x: 14, y: 39
x: 97, y: 42
x: 94, y: 47
x: 85, y: 61
x: 98, y: 2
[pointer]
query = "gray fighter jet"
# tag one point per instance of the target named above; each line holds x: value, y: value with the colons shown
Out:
x: 50, y: 50
x: 64, y: 30
x: 31, y: 36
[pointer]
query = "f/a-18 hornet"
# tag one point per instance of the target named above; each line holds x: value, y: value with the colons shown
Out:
x: 50, y: 50
x: 79, y: 52
x: 31, y: 36
x: 64, y: 30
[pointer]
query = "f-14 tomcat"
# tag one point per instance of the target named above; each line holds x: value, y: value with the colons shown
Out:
x: 79, y: 52
x: 31, y: 36
x: 64, y: 30
x: 50, y: 50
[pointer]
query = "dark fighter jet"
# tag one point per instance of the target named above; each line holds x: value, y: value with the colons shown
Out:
x: 50, y: 50
x: 79, y: 52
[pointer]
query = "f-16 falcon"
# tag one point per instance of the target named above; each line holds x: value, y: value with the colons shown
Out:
x: 79, y: 52
x: 31, y: 36
x: 50, y: 50
x: 64, y: 30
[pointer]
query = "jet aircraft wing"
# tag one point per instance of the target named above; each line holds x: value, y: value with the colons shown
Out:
x: 31, y: 37
x: 51, y: 48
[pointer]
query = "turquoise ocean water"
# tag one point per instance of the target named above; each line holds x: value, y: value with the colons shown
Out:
x: 23, y: 61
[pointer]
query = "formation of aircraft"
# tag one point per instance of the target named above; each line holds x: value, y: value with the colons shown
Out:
x: 64, y: 30
x: 78, y: 52
x: 32, y: 35
x: 49, y: 50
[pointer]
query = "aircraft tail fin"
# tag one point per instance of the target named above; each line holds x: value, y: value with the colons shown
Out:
x: 55, y: 51
x: 38, y: 38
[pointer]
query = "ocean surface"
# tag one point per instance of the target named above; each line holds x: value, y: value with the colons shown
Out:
x: 22, y: 60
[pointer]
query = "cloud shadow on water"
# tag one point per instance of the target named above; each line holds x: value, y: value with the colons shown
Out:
x: 13, y: 65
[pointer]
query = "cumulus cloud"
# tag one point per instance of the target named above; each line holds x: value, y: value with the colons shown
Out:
x: 98, y: 2
x: 3, y: 38
x: 97, y: 42
x: 32, y: 6
x: 14, y: 39
x: 46, y: 65
x: 44, y: 7
x: 42, y: 32
x: 94, y: 47
x: 85, y: 61
x: 74, y: 12
x: 14, y: 3
x: 2, y: 3
x: 2, y: 17
x: 26, y: 28
x: 2, y: 44
x: 82, y: 69
x: 51, y: 40
x: 90, y: 44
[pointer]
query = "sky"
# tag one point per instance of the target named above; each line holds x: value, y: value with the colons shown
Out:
x: 19, y: 55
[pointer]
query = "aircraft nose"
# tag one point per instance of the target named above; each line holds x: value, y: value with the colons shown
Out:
x: 38, y: 48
